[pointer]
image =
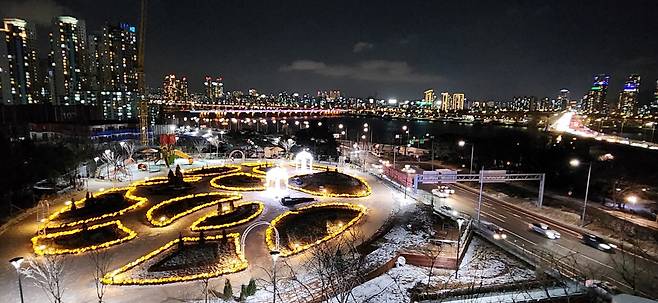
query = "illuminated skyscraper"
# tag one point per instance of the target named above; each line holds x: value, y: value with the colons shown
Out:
x: 457, y: 102
x: 429, y: 96
x: 562, y: 100
x: 19, y: 83
x: 174, y: 89
x: 446, y: 102
x: 628, y: 96
x: 214, y: 88
x: 68, y: 55
x: 595, y: 100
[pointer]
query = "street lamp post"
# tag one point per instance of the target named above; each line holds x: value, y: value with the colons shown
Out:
x: 16, y: 262
x: 462, y: 143
x: 275, y: 255
x: 575, y: 163
x: 460, y: 222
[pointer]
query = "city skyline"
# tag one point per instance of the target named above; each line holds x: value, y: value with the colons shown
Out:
x: 487, y: 59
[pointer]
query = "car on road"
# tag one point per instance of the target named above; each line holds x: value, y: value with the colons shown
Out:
x: 497, y: 232
x: 598, y: 243
x: 441, y: 194
x: 446, y: 189
x: 448, y: 210
x: 544, y: 230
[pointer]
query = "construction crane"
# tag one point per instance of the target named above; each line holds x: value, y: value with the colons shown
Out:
x: 143, y: 100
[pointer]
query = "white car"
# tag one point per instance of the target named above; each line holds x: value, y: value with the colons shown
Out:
x: 439, y: 193
x: 446, y: 189
x: 544, y: 230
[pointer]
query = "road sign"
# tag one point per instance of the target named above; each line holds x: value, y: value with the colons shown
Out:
x: 493, y: 176
x: 438, y: 176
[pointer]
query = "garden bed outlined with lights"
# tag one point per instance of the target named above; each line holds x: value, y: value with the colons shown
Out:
x: 168, y: 211
x: 82, y: 239
x: 176, y: 261
x: 239, y: 182
x: 102, y: 205
x: 239, y: 214
x: 330, y: 184
x: 214, y: 170
x: 308, y: 226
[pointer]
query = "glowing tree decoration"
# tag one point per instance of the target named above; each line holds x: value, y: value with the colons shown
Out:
x: 276, y: 181
x: 304, y: 161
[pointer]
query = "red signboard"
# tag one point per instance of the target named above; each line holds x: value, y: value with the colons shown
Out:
x: 168, y: 139
x: 399, y: 176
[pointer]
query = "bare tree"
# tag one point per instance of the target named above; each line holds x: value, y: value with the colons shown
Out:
x: 287, y: 145
x: 47, y: 273
x: 199, y: 145
x: 129, y: 147
x: 101, y: 260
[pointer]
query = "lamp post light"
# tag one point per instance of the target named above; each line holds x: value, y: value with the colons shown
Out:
x: 460, y: 222
x: 275, y: 256
x: 16, y: 262
x: 576, y: 163
x: 463, y: 143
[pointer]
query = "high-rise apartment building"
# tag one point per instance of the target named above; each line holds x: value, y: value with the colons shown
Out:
x: 457, y: 101
x: 19, y: 80
x: 563, y: 99
x: 214, y: 88
x: 429, y: 96
x: 628, y: 102
x: 68, y: 55
x: 595, y: 100
x: 446, y: 102
x: 174, y: 89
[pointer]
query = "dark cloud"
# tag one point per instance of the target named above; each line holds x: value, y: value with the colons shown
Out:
x: 39, y: 12
x: 362, y: 46
x: 371, y: 70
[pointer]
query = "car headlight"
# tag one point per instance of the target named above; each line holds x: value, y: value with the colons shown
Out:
x: 604, y: 246
x: 496, y: 236
x: 503, y: 236
x: 612, y: 245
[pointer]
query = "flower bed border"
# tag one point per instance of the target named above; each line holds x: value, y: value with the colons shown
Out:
x: 139, y: 201
x: 361, y: 194
x: 131, y: 234
x: 195, y: 226
x: 240, y: 265
x: 167, y: 221
x: 233, y: 169
x: 269, y: 239
x: 214, y: 183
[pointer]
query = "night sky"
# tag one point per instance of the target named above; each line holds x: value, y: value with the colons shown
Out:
x: 487, y: 49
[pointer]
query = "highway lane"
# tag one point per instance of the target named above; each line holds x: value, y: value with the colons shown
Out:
x: 568, y: 250
x: 575, y: 257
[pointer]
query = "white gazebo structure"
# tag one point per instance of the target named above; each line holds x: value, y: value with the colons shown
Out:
x: 304, y: 161
x: 276, y: 181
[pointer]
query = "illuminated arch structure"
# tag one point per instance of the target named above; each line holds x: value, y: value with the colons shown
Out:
x: 276, y: 181
x: 304, y: 161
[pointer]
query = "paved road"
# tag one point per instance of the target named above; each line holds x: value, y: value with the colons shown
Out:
x: 627, y: 271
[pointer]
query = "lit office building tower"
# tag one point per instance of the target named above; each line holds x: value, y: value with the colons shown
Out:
x: 458, y: 101
x: 19, y: 82
x: 174, y: 89
x: 446, y: 102
x: 214, y: 88
x: 595, y: 100
x: 429, y: 96
x: 627, y: 105
x: 562, y: 99
x: 68, y: 55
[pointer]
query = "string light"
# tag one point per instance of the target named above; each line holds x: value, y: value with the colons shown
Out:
x: 168, y: 220
x: 193, y: 171
x: 214, y: 182
x: 325, y: 193
x: 114, y: 278
x: 196, y: 225
x: 297, y: 247
x: 42, y: 249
